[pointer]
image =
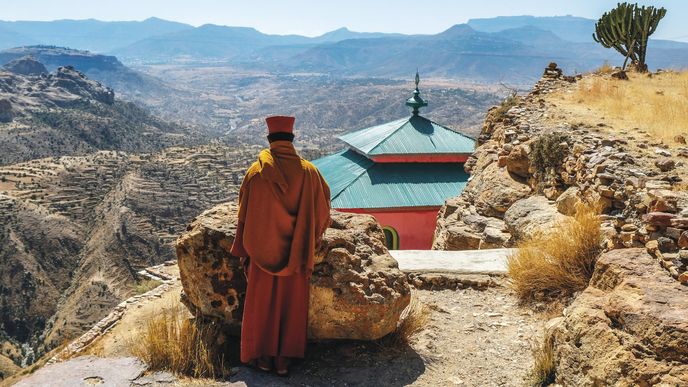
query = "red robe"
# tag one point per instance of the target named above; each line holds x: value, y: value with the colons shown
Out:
x: 284, y: 208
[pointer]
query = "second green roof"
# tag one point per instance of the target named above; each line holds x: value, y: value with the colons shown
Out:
x: 413, y: 135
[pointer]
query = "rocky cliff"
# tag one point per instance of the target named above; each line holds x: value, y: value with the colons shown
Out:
x: 629, y: 327
x: 106, y: 69
x: 357, y: 290
x: 511, y: 194
x: 64, y: 112
x: 537, y: 158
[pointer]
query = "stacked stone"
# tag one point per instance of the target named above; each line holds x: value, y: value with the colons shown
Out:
x: 156, y: 273
x: 638, y: 202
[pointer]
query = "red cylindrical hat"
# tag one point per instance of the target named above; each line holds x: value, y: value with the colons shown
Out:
x: 284, y: 124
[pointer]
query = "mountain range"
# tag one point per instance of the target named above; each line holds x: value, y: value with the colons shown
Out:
x: 512, y: 48
x: 133, y: 85
x: 90, y: 34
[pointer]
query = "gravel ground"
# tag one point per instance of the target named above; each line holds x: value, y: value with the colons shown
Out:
x: 474, y: 338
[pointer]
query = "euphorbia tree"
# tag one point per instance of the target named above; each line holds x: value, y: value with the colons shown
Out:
x: 626, y: 29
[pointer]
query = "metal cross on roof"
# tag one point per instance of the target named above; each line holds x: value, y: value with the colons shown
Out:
x: 416, y: 102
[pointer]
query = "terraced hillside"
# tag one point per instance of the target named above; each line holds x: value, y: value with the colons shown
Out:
x: 74, y: 230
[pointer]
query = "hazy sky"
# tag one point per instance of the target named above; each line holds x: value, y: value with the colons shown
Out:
x: 316, y: 17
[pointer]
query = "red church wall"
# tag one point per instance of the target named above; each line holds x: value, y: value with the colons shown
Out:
x: 415, y: 227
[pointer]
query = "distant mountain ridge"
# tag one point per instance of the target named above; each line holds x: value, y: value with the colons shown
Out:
x: 570, y: 28
x: 133, y: 85
x: 513, y: 48
x: 93, y: 35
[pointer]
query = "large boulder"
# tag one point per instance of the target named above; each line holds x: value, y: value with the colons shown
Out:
x: 628, y: 328
x: 460, y: 227
x: 518, y: 161
x: 357, y: 291
x: 494, y: 190
x: 531, y: 216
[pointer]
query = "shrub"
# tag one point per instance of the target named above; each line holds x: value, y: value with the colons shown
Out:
x: 413, y: 320
x: 544, y: 366
x: 549, y: 152
x: 173, y: 342
x: 509, y: 102
x: 554, y: 266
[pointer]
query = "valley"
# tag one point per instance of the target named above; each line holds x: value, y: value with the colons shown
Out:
x: 96, y: 184
x: 116, y: 136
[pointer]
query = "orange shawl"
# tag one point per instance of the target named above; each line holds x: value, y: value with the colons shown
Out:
x: 284, y: 209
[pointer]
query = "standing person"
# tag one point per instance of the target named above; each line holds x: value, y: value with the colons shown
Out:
x: 284, y: 209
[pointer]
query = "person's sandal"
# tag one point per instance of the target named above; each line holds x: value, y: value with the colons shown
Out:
x: 263, y: 364
x: 282, y: 366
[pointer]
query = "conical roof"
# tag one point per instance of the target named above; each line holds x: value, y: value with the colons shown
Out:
x: 415, y: 135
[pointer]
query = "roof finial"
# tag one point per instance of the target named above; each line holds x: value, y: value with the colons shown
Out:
x: 416, y: 101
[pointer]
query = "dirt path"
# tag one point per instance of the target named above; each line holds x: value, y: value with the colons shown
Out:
x: 474, y: 338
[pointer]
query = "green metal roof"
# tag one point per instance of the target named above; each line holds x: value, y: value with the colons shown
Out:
x: 357, y: 182
x: 412, y: 135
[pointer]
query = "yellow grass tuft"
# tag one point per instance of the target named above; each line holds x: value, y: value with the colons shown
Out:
x: 413, y: 320
x: 173, y: 342
x: 553, y: 266
x: 657, y: 103
x: 544, y: 364
x: 604, y: 69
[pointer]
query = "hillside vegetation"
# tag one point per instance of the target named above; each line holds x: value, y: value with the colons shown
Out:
x: 657, y: 103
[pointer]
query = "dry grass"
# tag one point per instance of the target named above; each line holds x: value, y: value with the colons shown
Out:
x: 658, y: 104
x: 604, y: 69
x: 507, y: 103
x: 553, y: 266
x: 544, y: 365
x: 173, y: 342
x: 145, y: 285
x: 412, y: 321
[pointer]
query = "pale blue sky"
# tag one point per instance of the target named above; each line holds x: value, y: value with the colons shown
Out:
x: 316, y: 17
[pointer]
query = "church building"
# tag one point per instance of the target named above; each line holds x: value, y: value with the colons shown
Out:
x: 401, y: 172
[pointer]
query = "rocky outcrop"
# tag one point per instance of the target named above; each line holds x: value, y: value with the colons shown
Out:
x: 462, y: 228
x: 641, y: 194
x: 357, y: 290
x: 66, y: 113
x: 26, y: 66
x: 528, y: 217
x: 629, y: 327
x: 494, y: 190
x: 76, y: 83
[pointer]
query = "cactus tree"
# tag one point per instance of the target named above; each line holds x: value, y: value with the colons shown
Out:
x: 626, y: 29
